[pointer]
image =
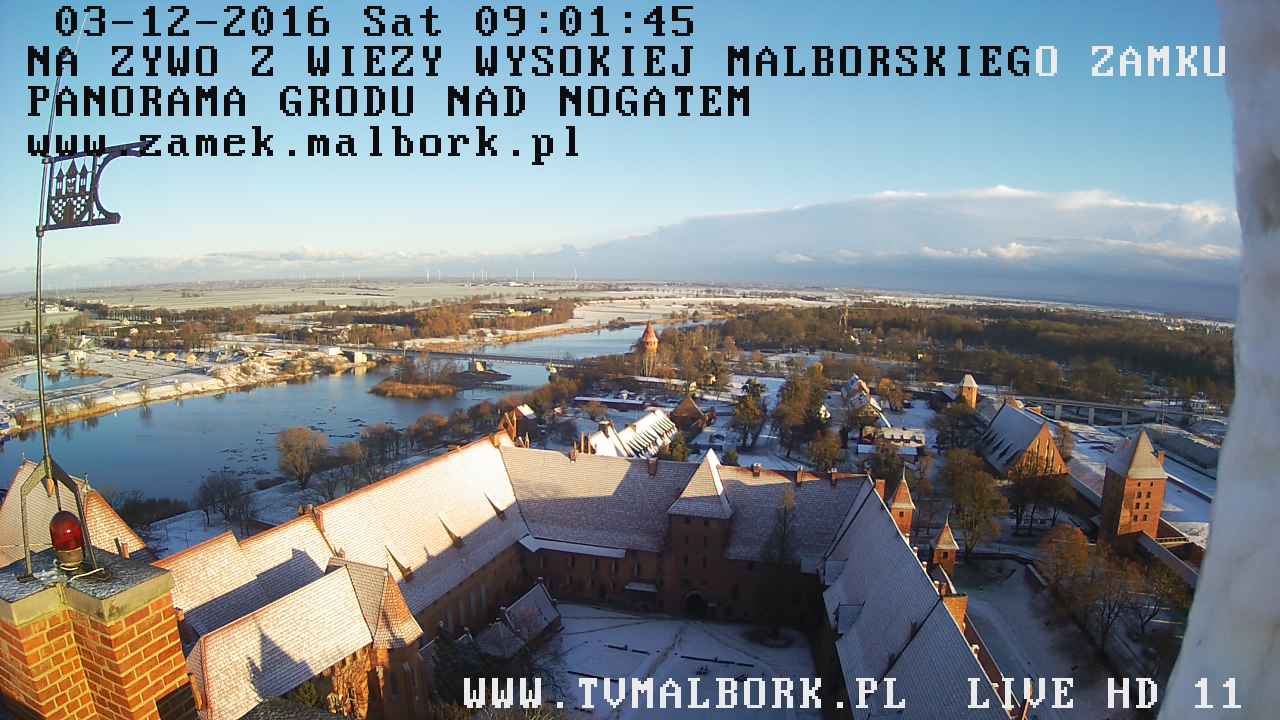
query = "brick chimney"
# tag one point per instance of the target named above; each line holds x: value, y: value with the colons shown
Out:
x: 880, y: 488
x: 104, y: 645
x: 756, y: 468
x: 653, y: 467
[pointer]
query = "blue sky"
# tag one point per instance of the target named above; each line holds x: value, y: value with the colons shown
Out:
x: 808, y: 141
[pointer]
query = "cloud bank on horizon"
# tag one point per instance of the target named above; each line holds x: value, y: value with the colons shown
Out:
x: 1091, y: 247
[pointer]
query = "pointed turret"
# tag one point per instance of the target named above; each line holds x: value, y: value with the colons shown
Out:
x: 969, y: 391
x: 945, y: 548
x: 903, y: 508
x: 1136, y: 459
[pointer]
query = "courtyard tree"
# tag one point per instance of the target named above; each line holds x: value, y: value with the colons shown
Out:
x: 958, y: 467
x: 750, y: 411
x: 824, y: 450
x: 302, y: 453
x: 977, y: 509
x: 1064, y: 555
x: 952, y: 425
x: 1108, y: 588
x: 677, y: 449
x: 800, y: 411
x: 1158, y: 590
x: 352, y: 460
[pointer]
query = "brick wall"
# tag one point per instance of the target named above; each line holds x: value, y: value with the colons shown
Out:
x: 132, y: 662
x: 475, y: 601
x: 41, y: 673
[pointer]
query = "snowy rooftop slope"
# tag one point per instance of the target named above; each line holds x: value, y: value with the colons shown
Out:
x: 1011, y: 432
x: 704, y: 496
x: 221, y: 579
x: 269, y: 652
x: 432, y: 525
x: 642, y: 438
x: 385, y: 612
x: 595, y: 499
x: 890, y: 620
x: 213, y: 584
x: 820, y: 506
x: 105, y: 527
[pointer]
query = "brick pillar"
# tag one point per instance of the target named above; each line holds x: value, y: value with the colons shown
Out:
x: 41, y: 673
x: 92, y: 647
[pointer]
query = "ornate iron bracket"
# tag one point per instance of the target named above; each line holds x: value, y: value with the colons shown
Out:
x: 72, y: 195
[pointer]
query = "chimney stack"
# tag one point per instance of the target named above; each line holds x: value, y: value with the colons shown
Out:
x: 755, y: 469
x: 653, y: 467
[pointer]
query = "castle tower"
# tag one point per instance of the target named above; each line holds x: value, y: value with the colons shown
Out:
x: 903, y: 508
x: 969, y: 391
x: 649, y: 351
x: 1133, y: 490
x: 945, y: 549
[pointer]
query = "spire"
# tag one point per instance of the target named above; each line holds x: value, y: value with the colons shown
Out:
x: 1137, y: 459
x: 968, y: 381
x: 650, y: 336
x: 902, y: 495
x: 946, y: 539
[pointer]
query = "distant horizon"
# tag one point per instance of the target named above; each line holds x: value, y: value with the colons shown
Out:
x: 80, y: 293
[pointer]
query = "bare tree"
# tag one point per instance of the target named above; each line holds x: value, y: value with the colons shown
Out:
x: 1064, y: 555
x: 302, y: 453
x: 1108, y: 588
x: 1159, y: 590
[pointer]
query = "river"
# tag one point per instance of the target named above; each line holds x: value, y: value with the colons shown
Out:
x: 166, y: 449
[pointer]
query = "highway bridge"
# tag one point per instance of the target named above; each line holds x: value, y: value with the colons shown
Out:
x: 496, y: 358
x: 1054, y: 408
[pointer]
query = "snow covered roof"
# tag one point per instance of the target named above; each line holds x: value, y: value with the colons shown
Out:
x: 1012, y: 431
x: 595, y: 499
x: 890, y: 620
x: 704, y: 495
x: 642, y: 438
x: 222, y: 579
x: 1137, y: 459
x: 105, y: 526
x: 526, y: 619
x: 385, y: 613
x: 433, y: 525
x: 820, y: 506
x: 269, y: 652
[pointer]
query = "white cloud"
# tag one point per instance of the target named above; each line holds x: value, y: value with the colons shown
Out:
x: 792, y: 258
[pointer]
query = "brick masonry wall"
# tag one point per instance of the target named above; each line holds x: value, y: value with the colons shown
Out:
x: 474, y: 603
x: 133, y: 662
x: 41, y: 673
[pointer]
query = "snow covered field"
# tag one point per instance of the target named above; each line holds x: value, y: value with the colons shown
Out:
x: 605, y: 643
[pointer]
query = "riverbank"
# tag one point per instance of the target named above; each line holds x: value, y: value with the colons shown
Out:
x: 247, y: 375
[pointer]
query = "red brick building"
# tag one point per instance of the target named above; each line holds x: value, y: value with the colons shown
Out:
x: 1133, y: 490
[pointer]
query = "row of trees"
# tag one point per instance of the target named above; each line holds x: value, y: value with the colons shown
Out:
x: 1101, y: 587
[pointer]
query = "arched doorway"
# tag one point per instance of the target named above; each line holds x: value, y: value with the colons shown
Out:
x: 695, y: 605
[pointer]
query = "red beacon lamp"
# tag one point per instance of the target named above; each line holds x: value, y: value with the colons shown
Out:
x: 68, y: 541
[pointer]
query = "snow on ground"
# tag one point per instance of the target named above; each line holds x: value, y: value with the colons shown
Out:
x: 607, y: 643
x: 1088, y: 466
x: 1024, y: 633
x: 917, y: 415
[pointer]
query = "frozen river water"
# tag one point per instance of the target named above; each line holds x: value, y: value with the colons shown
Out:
x: 166, y: 449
